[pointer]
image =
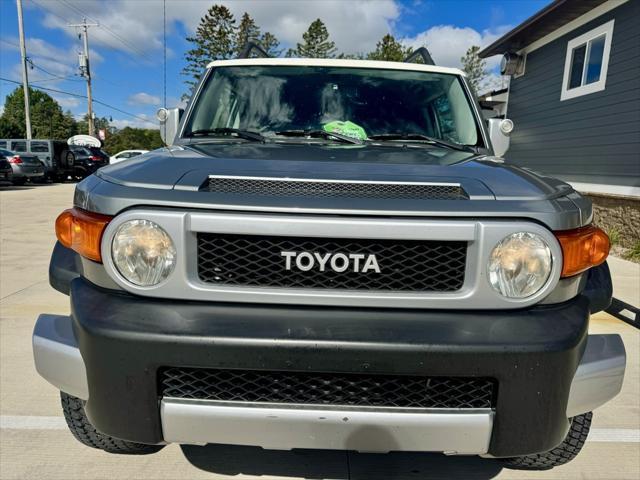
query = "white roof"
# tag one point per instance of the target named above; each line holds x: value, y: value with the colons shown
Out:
x: 334, y: 62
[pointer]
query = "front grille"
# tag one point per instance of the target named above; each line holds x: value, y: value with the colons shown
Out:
x: 417, y: 266
x: 324, y: 189
x: 339, y: 389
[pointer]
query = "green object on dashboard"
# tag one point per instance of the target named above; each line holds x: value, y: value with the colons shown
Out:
x: 347, y: 128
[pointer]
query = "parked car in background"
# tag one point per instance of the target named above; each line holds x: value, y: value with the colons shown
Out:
x: 24, y: 166
x: 125, y: 154
x: 81, y: 161
x: 6, y: 172
x: 48, y: 152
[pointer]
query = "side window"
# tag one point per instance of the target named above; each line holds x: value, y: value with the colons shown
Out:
x: 444, y: 118
x: 39, y: 147
x: 19, y: 146
x: 586, y: 62
x: 3, y: 144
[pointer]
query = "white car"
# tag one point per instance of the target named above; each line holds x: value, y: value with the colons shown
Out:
x: 124, y: 155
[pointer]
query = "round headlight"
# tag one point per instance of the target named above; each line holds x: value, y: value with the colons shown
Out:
x: 143, y: 253
x: 520, y: 265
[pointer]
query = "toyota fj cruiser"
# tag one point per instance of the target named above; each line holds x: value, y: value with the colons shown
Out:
x: 330, y: 254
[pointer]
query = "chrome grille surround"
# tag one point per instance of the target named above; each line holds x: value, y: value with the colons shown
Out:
x: 475, y: 293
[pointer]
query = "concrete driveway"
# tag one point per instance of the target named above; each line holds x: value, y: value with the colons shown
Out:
x: 34, y: 441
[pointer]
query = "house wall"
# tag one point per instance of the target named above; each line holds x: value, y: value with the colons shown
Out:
x: 593, y: 138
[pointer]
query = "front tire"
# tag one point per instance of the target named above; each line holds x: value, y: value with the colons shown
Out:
x: 563, y: 453
x: 86, y: 433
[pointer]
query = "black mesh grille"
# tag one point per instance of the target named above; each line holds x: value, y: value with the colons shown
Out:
x: 435, y: 266
x: 327, y: 388
x: 297, y: 188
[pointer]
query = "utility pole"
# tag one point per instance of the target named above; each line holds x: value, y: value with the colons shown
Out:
x: 85, y: 70
x: 25, y: 78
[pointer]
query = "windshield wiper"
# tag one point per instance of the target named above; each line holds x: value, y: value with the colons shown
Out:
x: 319, y: 133
x: 422, y: 138
x: 244, y: 134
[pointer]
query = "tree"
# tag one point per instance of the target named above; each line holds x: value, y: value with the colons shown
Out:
x: 246, y: 32
x: 316, y: 43
x: 10, y: 130
x: 132, y: 138
x: 390, y: 50
x: 214, y: 40
x: 47, y: 118
x: 270, y: 44
x: 474, y: 67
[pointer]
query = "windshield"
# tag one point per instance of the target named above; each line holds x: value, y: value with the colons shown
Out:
x: 370, y: 102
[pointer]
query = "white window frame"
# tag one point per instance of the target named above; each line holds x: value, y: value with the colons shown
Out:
x: 605, y: 29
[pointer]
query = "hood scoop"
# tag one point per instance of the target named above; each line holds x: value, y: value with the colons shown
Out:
x: 321, y: 188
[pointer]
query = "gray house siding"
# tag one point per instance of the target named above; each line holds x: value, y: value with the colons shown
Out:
x: 593, y: 138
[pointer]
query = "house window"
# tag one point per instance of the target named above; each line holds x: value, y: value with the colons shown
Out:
x: 586, y: 63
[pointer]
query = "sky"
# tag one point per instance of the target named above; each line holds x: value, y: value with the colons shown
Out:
x: 126, y: 49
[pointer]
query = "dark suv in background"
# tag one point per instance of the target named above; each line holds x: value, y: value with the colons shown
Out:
x: 82, y: 161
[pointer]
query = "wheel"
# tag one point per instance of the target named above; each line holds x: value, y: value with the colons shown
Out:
x: 67, y: 158
x: 19, y: 181
x: 563, y: 453
x: 86, y: 434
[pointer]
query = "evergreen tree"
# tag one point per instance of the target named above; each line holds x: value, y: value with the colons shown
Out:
x: 389, y: 49
x: 247, y: 32
x: 270, y: 44
x: 474, y: 67
x: 316, y: 43
x: 214, y: 40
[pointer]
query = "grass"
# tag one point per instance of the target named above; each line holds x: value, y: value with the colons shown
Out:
x: 614, y: 236
x: 633, y: 253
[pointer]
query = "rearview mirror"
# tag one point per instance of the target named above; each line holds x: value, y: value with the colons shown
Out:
x: 169, y: 122
x: 500, y: 134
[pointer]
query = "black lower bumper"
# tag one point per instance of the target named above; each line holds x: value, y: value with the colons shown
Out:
x: 533, y: 354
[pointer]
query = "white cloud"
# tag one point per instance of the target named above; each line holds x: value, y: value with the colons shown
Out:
x: 67, y: 102
x: 143, y: 121
x: 143, y: 98
x: 136, y: 26
x: 448, y: 43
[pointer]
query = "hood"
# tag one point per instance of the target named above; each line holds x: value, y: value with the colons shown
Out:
x: 188, y: 168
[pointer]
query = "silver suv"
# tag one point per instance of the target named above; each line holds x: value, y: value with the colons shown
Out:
x: 329, y: 254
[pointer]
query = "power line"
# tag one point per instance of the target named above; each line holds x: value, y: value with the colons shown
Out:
x: 69, y: 78
x: 126, y: 43
x: 49, y: 10
x: 54, y: 90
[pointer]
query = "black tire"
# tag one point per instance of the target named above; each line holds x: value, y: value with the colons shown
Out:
x: 86, y: 434
x: 18, y: 182
x: 563, y: 453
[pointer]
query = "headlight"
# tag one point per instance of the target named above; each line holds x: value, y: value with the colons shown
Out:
x: 143, y: 252
x: 520, y: 265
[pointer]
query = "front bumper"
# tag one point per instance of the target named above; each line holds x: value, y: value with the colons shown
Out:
x: 548, y: 369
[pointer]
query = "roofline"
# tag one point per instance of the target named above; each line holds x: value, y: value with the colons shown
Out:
x: 489, y: 51
x: 334, y: 62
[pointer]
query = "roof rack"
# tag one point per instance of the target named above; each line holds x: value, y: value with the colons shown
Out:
x: 423, y: 53
x: 250, y: 47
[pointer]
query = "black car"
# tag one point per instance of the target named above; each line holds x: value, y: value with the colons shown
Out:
x: 83, y: 161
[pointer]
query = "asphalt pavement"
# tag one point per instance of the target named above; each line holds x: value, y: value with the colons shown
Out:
x: 35, y: 444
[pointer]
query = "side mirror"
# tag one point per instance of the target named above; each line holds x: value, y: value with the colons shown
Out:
x: 500, y: 133
x: 169, y: 122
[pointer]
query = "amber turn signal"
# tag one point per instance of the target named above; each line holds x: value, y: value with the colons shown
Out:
x: 82, y: 231
x: 582, y: 249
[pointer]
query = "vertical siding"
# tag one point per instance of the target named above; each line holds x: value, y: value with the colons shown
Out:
x: 593, y: 138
